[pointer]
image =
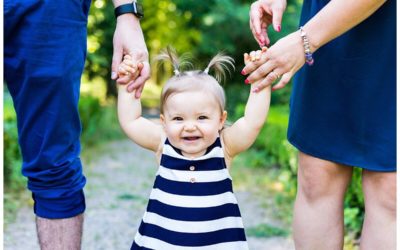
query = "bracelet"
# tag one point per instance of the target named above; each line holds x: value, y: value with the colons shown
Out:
x: 306, y: 44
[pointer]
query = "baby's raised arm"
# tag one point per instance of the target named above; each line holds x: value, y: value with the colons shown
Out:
x: 142, y: 131
x: 242, y: 134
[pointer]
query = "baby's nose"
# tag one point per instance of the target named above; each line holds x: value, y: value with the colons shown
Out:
x: 190, y: 126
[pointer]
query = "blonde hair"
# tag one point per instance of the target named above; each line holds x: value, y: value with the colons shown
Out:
x: 195, y: 80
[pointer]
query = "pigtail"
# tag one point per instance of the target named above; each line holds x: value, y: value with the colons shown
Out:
x: 220, y: 64
x: 169, y: 54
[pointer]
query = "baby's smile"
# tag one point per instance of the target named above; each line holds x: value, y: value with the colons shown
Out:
x: 191, y: 138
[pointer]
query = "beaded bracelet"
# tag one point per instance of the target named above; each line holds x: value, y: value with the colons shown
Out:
x: 306, y: 44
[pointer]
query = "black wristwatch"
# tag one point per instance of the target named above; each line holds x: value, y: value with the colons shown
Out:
x: 134, y: 8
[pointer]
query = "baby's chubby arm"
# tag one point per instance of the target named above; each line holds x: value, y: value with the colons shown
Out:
x: 242, y: 134
x: 142, y: 131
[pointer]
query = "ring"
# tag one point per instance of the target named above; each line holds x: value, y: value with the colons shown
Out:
x: 276, y: 75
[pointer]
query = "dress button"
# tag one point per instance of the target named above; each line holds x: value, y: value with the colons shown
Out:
x: 192, y: 168
x: 192, y: 180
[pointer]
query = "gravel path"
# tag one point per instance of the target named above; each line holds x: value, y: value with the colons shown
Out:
x: 120, y: 179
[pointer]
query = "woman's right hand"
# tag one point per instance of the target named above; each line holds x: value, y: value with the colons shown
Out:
x: 282, y: 60
x: 264, y: 13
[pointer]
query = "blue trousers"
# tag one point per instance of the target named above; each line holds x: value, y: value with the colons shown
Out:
x: 44, y: 55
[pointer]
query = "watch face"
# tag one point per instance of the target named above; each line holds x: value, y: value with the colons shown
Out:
x: 139, y: 9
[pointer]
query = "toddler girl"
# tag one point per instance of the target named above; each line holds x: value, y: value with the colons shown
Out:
x: 192, y: 204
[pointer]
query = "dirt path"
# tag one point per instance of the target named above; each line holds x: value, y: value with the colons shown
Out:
x: 120, y: 176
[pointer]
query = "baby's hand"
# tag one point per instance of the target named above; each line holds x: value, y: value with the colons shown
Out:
x: 128, y: 70
x: 254, y: 56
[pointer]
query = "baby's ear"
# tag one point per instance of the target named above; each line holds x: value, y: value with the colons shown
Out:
x: 222, y: 121
x: 162, y: 119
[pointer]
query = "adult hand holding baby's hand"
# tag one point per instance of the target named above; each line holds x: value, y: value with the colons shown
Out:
x: 128, y: 71
x: 280, y: 62
x: 128, y: 39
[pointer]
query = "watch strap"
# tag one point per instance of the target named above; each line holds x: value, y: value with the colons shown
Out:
x: 134, y: 8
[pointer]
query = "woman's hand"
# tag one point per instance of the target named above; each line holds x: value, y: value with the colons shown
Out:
x: 264, y: 13
x: 280, y: 62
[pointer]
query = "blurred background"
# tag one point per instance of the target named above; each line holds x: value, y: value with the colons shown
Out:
x: 203, y: 28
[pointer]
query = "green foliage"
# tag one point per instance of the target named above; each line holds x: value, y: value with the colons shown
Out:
x: 14, y: 182
x: 101, y: 25
x: 13, y: 179
x: 99, y: 121
x: 354, y: 204
x: 190, y: 26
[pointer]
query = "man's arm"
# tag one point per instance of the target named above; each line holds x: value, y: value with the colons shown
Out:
x: 128, y: 39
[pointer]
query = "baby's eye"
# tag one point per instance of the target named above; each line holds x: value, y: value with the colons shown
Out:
x: 177, y: 118
x: 203, y: 117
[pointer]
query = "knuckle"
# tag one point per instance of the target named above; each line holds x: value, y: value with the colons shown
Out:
x: 270, y: 78
x: 279, y: 61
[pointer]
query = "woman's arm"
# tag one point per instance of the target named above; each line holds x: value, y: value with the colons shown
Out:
x: 242, y: 134
x: 286, y: 56
x: 337, y: 17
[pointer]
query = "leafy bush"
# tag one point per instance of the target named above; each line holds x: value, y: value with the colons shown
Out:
x: 13, y: 179
x: 354, y: 205
x: 99, y: 121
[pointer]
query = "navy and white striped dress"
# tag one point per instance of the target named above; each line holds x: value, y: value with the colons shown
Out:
x: 192, y: 205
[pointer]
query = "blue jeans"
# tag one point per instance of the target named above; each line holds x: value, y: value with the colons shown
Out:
x: 44, y: 55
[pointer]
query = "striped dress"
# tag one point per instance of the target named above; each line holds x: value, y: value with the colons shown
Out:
x: 192, y: 205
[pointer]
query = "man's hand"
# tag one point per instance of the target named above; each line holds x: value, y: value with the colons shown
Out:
x: 129, y: 40
x: 128, y: 70
x: 264, y: 13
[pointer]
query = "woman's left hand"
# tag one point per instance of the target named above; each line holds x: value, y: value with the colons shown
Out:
x: 281, y: 61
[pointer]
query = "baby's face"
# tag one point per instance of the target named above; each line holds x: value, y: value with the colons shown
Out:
x: 192, y: 121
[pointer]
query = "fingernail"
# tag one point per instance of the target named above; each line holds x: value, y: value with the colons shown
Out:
x: 246, y: 81
x: 113, y: 75
x: 272, y: 90
x: 278, y: 28
x: 243, y: 72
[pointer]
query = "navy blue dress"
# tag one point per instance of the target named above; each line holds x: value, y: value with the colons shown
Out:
x: 343, y: 108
